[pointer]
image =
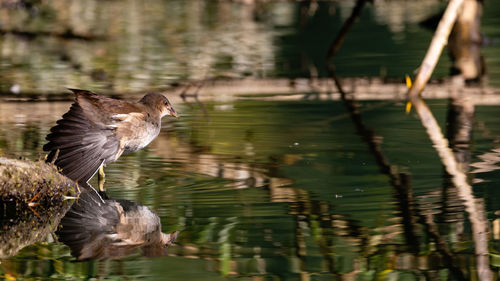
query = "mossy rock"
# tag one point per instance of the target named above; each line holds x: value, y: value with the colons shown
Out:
x: 33, y: 199
x: 28, y: 181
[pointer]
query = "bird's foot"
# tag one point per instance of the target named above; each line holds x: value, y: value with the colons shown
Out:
x: 101, y: 178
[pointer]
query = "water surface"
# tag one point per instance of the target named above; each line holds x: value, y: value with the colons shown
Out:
x: 279, y: 191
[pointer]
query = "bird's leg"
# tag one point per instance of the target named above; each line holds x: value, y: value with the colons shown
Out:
x: 101, y: 178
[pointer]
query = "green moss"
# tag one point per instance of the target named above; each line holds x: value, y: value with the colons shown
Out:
x: 21, y: 180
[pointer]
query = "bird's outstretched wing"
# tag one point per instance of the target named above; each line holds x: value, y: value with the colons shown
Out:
x: 82, y: 140
x: 88, y: 227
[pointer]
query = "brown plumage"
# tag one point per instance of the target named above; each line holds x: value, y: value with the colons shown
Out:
x: 97, y: 130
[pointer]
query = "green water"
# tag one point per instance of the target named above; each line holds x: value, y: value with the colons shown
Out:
x: 278, y: 191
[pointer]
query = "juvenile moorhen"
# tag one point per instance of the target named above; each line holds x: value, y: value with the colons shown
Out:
x: 97, y: 227
x: 97, y: 130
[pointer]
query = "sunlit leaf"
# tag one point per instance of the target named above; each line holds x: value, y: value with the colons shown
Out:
x: 408, y: 81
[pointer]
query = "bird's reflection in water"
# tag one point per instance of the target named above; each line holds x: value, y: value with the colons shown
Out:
x: 97, y: 227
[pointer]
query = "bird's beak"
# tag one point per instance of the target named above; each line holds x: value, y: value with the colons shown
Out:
x: 171, y: 111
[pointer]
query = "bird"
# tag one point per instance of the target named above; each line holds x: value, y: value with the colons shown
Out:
x: 97, y: 130
x: 97, y: 227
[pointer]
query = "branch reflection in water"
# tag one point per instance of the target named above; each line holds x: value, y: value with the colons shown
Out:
x: 97, y: 227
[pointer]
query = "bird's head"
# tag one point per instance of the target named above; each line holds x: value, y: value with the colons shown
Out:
x: 159, y: 103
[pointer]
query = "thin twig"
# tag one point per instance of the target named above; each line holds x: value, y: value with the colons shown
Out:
x: 397, y: 180
x: 459, y: 179
x: 438, y: 42
x: 440, y: 143
x: 184, y: 95
x: 334, y: 48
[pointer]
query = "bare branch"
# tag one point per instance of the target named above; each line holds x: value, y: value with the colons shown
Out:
x: 439, y: 40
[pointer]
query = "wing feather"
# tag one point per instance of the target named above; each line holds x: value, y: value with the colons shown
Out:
x: 83, y: 144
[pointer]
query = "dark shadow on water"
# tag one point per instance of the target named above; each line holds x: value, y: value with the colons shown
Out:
x: 97, y: 227
x: 21, y: 226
